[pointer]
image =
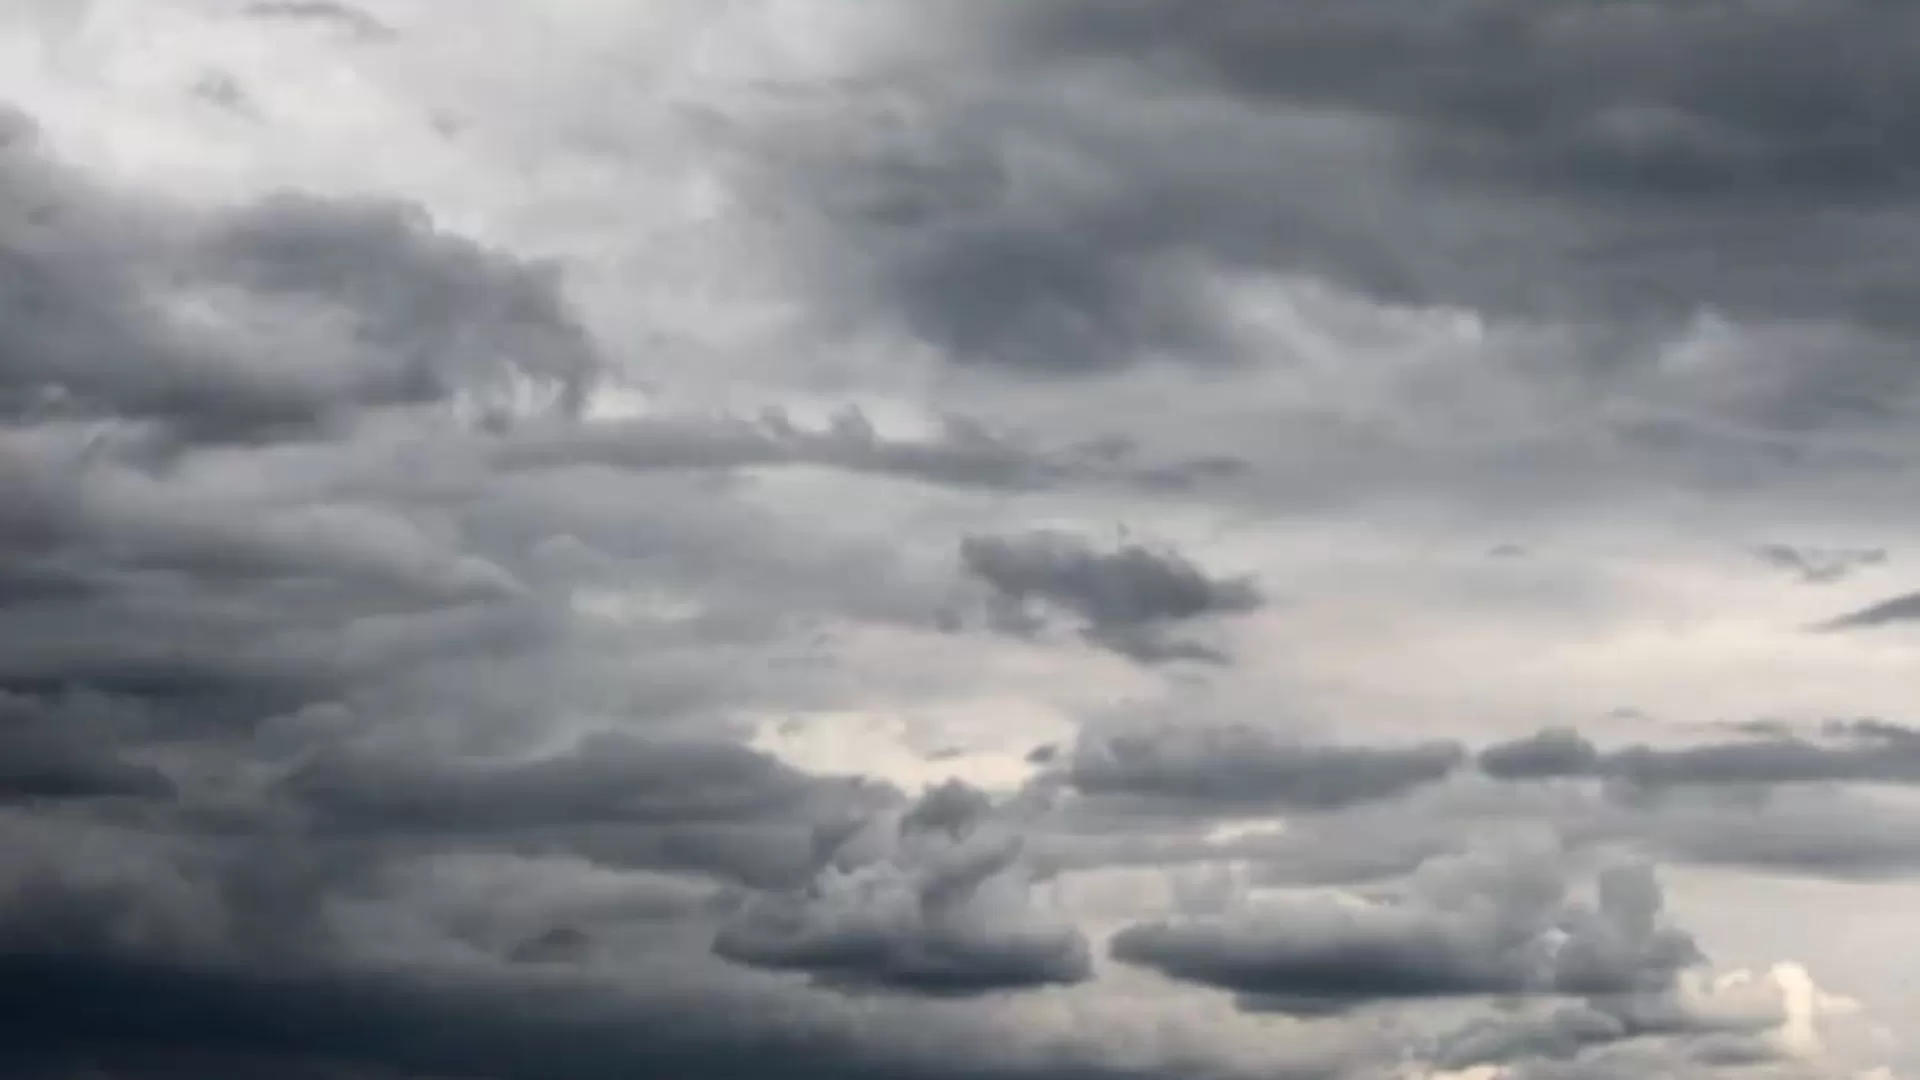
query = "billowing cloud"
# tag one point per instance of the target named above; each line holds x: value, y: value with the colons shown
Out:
x: 1465, y: 926
x: 944, y: 908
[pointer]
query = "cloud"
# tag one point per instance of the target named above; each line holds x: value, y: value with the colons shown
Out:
x: 278, y: 317
x: 1820, y: 566
x: 945, y: 911
x: 1463, y: 926
x: 1877, y: 754
x: 45, y: 765
x: 480, y: 608
x: 1537, y: 90
x: 140, y: 1015
x: 325, y: 12
x: 1248, y: 768
x: 1127, y: 598
x: 962, y: 453
x: 1890, y: 612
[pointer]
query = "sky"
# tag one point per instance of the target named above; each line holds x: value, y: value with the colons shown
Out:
x: 959, y: 539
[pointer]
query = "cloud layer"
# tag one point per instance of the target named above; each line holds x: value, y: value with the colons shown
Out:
x: 1050, y: 539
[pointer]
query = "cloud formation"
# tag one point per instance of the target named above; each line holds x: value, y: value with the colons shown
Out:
x: 941, y: 909
x: 595, y: 540
x: 1126, y: 598
x: 1464, y: 926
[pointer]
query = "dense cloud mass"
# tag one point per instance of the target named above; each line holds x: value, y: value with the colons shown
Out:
x: 958, y: 540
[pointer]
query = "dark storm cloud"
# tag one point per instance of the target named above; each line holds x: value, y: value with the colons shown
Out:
x: 1084, y: 184
x: 1801, y: 100
x: 943, y: 910
x: 1129, y: 599
x: 1462, y: 927
x: 37, y: 763
x: 605, y: 777
x: 1820, y: 566
x: 711, y: 808
x: 139, y: 1016
x: 1243, y: 767
x: 1870, y: 757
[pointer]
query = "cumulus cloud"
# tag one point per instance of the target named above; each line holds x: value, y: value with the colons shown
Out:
x: 1463, y: 926
x: 943, y: 908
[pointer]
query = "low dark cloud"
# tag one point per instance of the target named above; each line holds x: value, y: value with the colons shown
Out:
x: 1870, y: 757
x: 1227, y: 768
x: 44, y: 764
x: 158, y: 1021
x: 1795, y: 101
x: 1130, y: 600
x: 606, y: 777
x: 1890, y: 612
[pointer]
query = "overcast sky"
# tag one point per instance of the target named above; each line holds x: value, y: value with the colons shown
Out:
x: 959, y: 539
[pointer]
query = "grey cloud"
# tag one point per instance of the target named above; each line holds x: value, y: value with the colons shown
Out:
x: 1567, y: 1032
x: 140, y: 1015
x: 604, y: 777
x: 1817, y: 834
x: 1564, y: 753
x: 1128, y: 598
x: 1795, y: 100
x: 326, y: 12
x: 1820, y: 566
x: 944, y: 912
x: 1223, y: 768
x: 1890, y: 612
x: 1461, y: 927
x: 52, y: 765
x: 1080, y: 186
x: 1551, y: 752
x: 713, y: 808
x: 276, y: 318
x: 962, y: 454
